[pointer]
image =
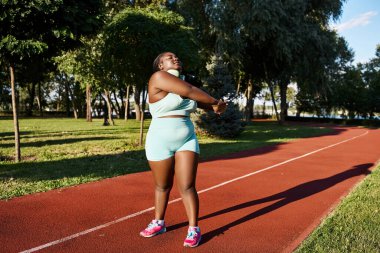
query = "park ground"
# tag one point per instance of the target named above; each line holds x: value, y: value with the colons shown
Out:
x: 268, y: 198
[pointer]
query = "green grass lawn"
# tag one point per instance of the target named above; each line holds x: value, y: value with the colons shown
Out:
x: 354, y: 226
x: 63, y: 152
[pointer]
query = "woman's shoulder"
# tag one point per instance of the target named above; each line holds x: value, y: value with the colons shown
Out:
x: 156, y: 78
x: 159, y: 74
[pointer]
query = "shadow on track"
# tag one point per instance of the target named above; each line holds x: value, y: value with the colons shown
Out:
x: 284, y: 198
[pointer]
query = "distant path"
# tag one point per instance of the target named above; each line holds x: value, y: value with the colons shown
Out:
x: 262, y: 200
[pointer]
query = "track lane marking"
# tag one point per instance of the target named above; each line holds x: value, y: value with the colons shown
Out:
x: 49, y: 244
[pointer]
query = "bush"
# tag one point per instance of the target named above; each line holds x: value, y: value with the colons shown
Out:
x: 220, y: 85
x: 227, y: 125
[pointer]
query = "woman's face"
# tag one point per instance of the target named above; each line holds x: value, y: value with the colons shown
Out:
x: 170, y: 61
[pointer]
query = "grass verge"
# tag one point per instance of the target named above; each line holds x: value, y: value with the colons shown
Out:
x: 354, y: 226
x: 65, y: 152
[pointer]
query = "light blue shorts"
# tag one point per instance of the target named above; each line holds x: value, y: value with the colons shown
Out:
x: 169, y: 135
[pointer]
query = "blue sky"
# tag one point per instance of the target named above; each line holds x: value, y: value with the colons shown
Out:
x: 360, y: 26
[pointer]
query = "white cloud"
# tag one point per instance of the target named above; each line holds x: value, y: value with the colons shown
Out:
x: 362, y: 20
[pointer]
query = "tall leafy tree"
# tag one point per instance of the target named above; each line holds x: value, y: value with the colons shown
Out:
x: 31, y: 28
x: 82, y: 64
x: 371, y: 77
x: 350, y: 93
x: 320, y: 73
x: 225, y: 60
x: 265, y: 40
x: 5, y: 89
x: 135, y: 37
x: 280, y: 32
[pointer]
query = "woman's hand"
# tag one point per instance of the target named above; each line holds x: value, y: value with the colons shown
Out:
x: 220, y: 107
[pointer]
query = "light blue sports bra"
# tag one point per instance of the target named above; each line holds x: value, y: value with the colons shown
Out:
x: 172, y: 104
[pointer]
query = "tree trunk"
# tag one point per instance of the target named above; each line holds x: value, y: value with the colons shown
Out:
x: 249, y: 96
x: 238, y: 85
x: 58, y: 106
x: 67, y: 97
x: 126, y: 115
x: 141, y: 141
x: 145, y: 94
x: 109, y: 106
x: 137, y: 104
x: 71, y: 95
x: 39, y: 100
x: 270, y: 85
x: 32, y: 94
x: 122, y: 104
x: 95, y: 109
x: 284, y: 104
x: 39, y: 105
x: 60, y: 98
x: 274, y: 102
x: 99, y: 107
x: 117, y: 108
x: 15, y: 116
x: 105, y: 111
x: 88, y: 103
x: 75, y: 109
x: 253, y: 109
x: 263, y: 110
x: 113, y: 108
x: 143, y: 103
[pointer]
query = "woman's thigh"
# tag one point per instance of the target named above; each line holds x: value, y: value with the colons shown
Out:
x: 163, y: 172
x: 186, y: 164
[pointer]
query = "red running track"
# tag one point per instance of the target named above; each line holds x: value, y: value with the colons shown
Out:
x: 262, y: 200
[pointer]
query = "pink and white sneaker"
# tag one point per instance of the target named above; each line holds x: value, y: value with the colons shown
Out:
x: 153, y: 229
x: 193, y: 237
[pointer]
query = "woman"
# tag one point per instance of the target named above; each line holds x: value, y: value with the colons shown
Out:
x: 171, y: 144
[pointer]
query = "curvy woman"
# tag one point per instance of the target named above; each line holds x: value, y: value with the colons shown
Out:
x: 171, y: 144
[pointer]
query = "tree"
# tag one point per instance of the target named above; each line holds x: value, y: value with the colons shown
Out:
x: 42, y: 28
x: 215, y: 29
x: 32, y: 77
x: 320, y: 73
x: 220, y: 85
x: 135, y: 37
x: 220, y: 82
x: 82, y: 64
x: 371, y: 78
x: 5, y: 89
x: 197, y: 14
x: 265, y: 40
x: 350, y: 93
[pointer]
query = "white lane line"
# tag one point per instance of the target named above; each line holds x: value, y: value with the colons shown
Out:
x: 178, y: 199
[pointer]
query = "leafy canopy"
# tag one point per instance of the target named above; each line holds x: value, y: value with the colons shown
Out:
x: 32, y: 27
x: 136, y: 36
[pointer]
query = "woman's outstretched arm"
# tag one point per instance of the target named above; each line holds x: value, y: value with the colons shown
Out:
x: 169, y: 83
x: 218, y: 108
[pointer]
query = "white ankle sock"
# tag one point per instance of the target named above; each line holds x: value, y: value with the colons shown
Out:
x: 160, y: 222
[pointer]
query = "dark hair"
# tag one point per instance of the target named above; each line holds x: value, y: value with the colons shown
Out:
x: 157, y: 61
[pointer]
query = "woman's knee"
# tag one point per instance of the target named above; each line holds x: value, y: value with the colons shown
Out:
x: 164, y: 188
x: 186, y: 188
